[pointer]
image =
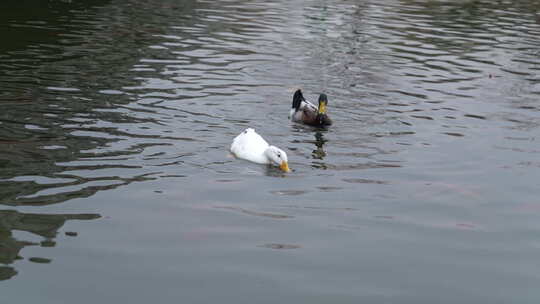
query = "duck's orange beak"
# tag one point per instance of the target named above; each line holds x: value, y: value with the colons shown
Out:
x: 284, y: 166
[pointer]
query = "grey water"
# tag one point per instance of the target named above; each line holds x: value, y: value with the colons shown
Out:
x: 116, y: 184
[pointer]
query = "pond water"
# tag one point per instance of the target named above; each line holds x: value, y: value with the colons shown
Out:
x: 116, y: 184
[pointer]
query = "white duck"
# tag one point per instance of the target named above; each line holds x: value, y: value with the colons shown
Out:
x: 251, y: 146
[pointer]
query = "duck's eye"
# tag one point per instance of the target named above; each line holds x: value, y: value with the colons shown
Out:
x: 279, y: 155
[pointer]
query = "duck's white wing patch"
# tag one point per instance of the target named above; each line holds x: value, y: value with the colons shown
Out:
x: 308, y: 105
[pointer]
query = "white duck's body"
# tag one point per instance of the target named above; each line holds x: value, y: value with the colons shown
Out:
x: 251, y: 146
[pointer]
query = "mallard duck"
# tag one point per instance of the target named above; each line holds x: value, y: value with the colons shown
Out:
x: 251, y: 146
x: 305, y: 112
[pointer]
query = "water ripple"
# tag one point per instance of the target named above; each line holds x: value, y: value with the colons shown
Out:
x: 436, y: 115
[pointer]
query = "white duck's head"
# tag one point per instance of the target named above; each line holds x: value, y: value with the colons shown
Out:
x: 278, y: 157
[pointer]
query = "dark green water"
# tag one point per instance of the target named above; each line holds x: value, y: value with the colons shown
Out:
x: 116, y: 185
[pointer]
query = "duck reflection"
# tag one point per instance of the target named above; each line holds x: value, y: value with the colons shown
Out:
x: 44, y: 225
x: 319, y: 153
x: 275, y: 171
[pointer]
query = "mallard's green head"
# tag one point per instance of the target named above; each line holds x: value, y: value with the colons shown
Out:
x: 323, y: 102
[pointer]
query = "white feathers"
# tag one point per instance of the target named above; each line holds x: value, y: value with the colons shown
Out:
x: 251, y: 146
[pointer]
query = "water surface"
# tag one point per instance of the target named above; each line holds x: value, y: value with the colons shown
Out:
x: 116, y: 182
